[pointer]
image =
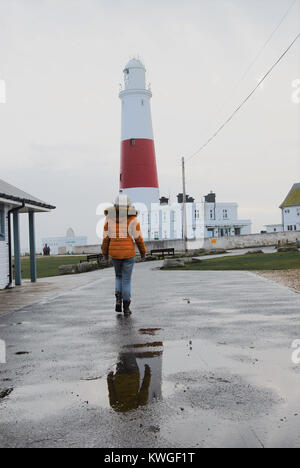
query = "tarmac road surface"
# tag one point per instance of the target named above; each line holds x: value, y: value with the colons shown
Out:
x: 205, y: 361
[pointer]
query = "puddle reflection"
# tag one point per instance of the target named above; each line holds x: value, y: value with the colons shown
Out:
x: 137, y: 379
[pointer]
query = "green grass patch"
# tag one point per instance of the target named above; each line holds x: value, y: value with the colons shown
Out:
x: 251, y: 262
x: 48, y: 266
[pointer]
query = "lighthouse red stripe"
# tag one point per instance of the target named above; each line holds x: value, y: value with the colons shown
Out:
x: 138, y: 164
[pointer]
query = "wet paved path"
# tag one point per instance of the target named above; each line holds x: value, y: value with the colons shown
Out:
x: 205, y: 361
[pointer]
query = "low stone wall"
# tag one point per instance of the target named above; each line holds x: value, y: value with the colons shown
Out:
x: 254, y: 240
x: 242, y: 242
x: 78, y: 268
x: 87, y: 249
x: 226, y: 243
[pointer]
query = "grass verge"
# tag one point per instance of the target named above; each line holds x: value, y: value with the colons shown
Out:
x: 249, y: 262
x: 48, y: 266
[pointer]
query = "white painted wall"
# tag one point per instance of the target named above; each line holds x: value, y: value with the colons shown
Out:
x: 4, y: 258
x: 136, y: 115
x: 291, y: 218
x: 136, y: 109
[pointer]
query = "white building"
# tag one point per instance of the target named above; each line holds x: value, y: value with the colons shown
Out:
x: 67, y: 242
x: 290, y: 212
x: 206, y: 219
x: 270, y: 228
x: 14, y: 202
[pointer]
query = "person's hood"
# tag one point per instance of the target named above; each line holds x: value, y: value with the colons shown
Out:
x: 117, y: 212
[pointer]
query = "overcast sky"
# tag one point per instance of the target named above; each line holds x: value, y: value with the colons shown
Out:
x: 62, y: 62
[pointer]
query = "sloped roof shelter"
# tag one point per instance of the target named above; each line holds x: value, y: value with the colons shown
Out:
x: 16, y: 196
x: 17, y: 201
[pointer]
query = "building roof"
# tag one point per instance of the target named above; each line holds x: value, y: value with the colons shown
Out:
x: 11, y: 193
x: 293, y: 198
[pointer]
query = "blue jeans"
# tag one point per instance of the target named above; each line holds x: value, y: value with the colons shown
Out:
x: 123, y: 270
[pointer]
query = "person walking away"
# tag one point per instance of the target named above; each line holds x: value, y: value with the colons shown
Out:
x: 121, y: 229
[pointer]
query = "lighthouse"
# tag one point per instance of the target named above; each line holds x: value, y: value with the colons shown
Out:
x: 138, y: 174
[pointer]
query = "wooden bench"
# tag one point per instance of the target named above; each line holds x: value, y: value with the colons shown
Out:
x: 163, y: 252
x: 93, y: 258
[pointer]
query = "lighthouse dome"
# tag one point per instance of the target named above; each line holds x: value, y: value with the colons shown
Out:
x: 134, y: 75
x: 135, y: 63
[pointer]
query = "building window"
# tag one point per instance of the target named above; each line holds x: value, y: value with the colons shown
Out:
x: 287, y: 211
x: 132, y: 142
x: 211, y: 214
x: 298, y: 211
x: 197, y: 214
x: 225, y: 214
x: 2, y: 223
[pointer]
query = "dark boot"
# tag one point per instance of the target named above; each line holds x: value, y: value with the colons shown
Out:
x: 119, y: 302
x: 126, y: 306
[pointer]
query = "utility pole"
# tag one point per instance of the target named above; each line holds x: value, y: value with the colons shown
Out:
x: 184, y: 207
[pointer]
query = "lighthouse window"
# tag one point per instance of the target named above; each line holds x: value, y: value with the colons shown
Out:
x: 132, y: 142
x: 142, y: 102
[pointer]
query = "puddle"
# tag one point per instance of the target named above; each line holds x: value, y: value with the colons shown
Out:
x: 208, y: 389
x: 137, y: 378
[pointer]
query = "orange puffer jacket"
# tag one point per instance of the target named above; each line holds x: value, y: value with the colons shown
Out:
x: 120, y: 230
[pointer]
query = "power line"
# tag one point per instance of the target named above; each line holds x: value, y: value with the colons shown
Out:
x: 245, y: 100
x: 257, y: 56
x: 268, y: 40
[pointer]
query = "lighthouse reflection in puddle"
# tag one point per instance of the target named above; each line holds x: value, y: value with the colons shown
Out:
x: 138, y: 376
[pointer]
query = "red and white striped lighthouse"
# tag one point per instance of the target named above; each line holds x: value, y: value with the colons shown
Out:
x: 138, y: 177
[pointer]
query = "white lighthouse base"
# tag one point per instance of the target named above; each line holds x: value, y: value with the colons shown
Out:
x: 146, y: 201
x: 142, y: 196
